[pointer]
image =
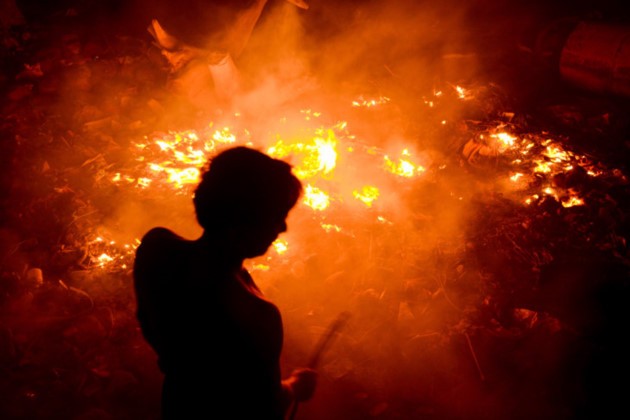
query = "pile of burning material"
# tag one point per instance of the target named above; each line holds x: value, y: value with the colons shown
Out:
x: 445, y: 242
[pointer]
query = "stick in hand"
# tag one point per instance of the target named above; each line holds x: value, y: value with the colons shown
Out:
x: 324, y: 343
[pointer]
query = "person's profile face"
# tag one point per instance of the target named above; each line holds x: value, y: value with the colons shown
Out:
x: 256, y: 239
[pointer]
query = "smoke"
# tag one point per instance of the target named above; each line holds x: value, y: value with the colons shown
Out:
x: 393, y: 266
x: 345, y: 48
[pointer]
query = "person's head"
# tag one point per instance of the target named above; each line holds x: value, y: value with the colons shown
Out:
x: 248, y: 194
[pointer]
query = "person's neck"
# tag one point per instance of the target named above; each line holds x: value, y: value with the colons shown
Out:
x: 219, y: 249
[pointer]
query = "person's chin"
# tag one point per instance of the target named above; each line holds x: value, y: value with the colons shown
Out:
x: 258, y: 251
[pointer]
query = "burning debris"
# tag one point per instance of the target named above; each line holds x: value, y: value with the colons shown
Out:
x: 470, y: 245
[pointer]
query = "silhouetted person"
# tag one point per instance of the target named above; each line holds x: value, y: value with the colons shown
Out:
x: 218, y: 340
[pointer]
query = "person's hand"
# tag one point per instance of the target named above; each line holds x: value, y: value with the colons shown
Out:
x: 302, y: 383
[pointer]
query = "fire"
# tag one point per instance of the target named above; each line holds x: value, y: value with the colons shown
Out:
x: 462, y: 93
x: 175, y: 158
x: 330, y: 227
x: 223, y: 136
x: 367, y: 195
x: 321, y: 155
x: 506, y: 140
x: 572, y: 201
x: 107, y: 254
x: 533, y: 158
x: 104, y: 259
x: 556, y: 154
x: 281, y: 246
x: 369, y: 103
x: 403, y: 167
x: 316, y: 198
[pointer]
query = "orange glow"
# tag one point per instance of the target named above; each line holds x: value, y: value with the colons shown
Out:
x: 403, y: 167
x: 542, y: 166
x: 367, y: 195
x: 316, y: 198
x: 369, y: 103
x: 572, y: 201
x: 109, y: 255
x: 281, y: 246
x: 462, y: 93
x: 506, y: 141
x: 330, y: 227
x: 224, y: 136
x: 319, y: 154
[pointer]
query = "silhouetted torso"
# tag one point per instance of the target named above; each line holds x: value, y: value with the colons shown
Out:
x: 217, y: 339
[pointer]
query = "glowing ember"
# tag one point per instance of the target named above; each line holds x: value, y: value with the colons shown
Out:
x: 367, y: 195
x: 260, y: 267
x: 572, y: 201
x: 224, y: 136
x: 369, y: 103
x: 281, y: 246
x: 316, y: 198
x: 506, y: 141
x: 533, y: 198
x: 535, y: 158
x: 330, y: 228
x: 543, y: 167
x: 109, y: 255
x: 462, y: 93
x: 403, y: 167
x: 175, y: 160
x: 103, y: 259
x: 319, y: 154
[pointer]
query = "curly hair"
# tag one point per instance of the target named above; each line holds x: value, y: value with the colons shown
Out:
x: 243, y: 186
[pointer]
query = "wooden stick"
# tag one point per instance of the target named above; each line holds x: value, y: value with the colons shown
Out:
x: 324, y: 343
x: 474, y: 356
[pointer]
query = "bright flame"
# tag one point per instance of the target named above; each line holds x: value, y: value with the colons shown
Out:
x: 281, y: 246
x: 330, y: 227
x: 319, y: 156
x: 573, y: 201
x: 107, y: 254
x: 224, y: 136
x: 103, y: 259
x: 176, y: 159
x: 556, y: 154
x: 506, y: 141
x: 182, y: 177
x: 404, y: 167
x: 369, y: 103
x: 316, y: 198
x: 462, y: 93
x: 542, y: 166
x: 367, y: 195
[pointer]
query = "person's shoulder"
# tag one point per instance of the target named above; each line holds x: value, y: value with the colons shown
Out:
x: 160, y: 238
x: 157, y: 244
x: 160, y: 234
